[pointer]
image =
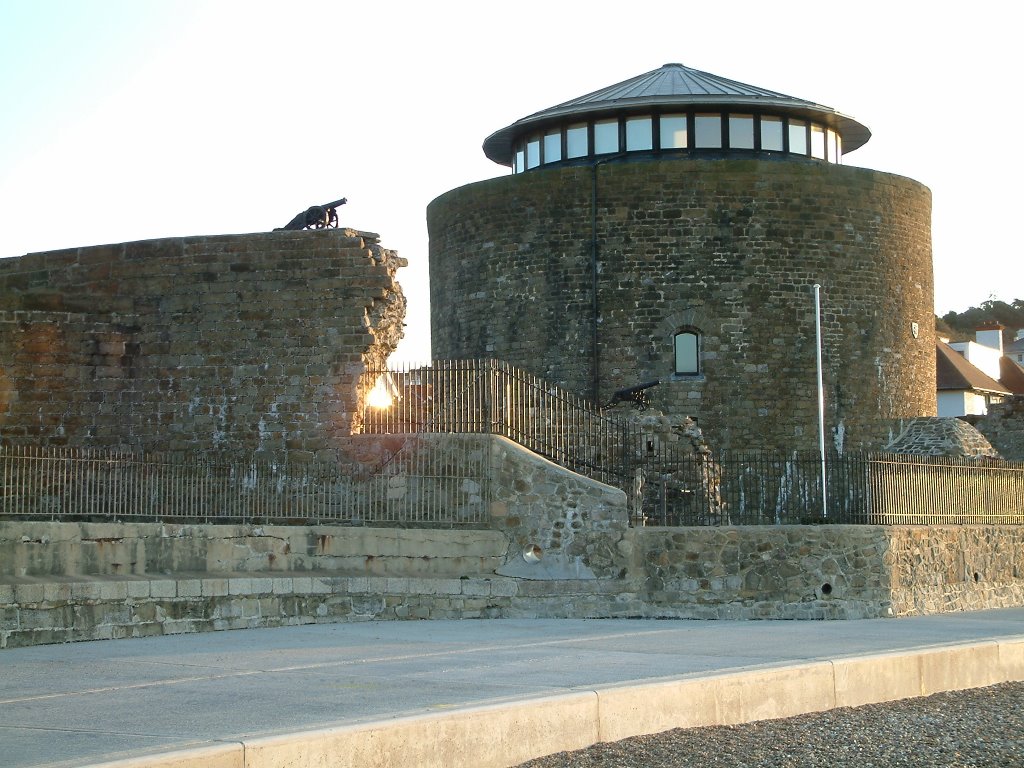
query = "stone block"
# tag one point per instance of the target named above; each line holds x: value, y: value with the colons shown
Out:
x: 360, y: 584
x: 504, y: 587
x: 320, y: 585
x: 29, y: 593
x: 163, y: 588
x: 189, y: 587
x: 113, y: 590
x: 9, y: 619
x: 261, y: 586
x: 476, y: 587
x: 85, y: 591
x: 138, y: 588
x: 215, y: 587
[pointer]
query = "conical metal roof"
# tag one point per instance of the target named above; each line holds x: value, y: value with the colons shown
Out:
x: 676, y: 86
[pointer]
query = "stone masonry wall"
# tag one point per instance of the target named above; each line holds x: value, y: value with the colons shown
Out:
x: 955, y: 568
x: 1003, y: 425
x: 743, y: 572
x: 251, y: 343
x: 761, y: 572
x: 730, y: 248
x: 569, y: 525
x: 830, y: 571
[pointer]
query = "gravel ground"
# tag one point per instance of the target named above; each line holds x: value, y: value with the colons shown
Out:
x: 975, y: 728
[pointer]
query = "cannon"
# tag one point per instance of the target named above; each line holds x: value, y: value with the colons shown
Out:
x: 315, y: 217
x: 636, y: 395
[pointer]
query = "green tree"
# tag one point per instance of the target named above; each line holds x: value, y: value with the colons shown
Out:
x: 960, y: 326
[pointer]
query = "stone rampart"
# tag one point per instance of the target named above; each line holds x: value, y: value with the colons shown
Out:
x: 252, y: 343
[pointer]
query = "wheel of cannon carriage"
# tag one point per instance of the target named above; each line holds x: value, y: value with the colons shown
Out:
x: 316, y: 217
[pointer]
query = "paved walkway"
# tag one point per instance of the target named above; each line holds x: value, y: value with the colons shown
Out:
x: 87, y: 703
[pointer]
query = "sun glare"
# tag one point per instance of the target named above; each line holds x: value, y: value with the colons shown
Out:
x: 380, y: 396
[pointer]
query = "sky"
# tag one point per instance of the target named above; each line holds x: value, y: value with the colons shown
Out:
x: 126, y: 120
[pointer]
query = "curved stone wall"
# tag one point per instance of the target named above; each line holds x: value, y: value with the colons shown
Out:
x: 729, y: 248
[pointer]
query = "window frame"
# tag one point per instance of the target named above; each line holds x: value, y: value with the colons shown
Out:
x: 696, y: 369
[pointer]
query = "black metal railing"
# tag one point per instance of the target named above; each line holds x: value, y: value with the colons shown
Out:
x: 443, y: 483
x: 671, y: 484
x: 493, y: 397
x: 433, y: 485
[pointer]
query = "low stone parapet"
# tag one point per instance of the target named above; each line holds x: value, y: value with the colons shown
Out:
x: 34, y: 611
x: 726, y: 572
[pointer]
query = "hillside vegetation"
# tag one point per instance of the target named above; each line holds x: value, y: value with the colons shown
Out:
x: 960, y: 326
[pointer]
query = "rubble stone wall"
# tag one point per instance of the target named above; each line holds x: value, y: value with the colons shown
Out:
x: 1003, y: 425
x: 830, y: 571
x: 238, y: 343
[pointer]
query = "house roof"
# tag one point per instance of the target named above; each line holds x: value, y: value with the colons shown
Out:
x: 954, y: 372
x: 1011, y: 374
x: 677, y: 86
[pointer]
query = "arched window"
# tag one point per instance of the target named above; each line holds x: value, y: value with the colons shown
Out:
x: 687, y: 353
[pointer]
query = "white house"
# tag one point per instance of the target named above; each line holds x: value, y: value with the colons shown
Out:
x: 971, y: 375
x: 1015, y: 349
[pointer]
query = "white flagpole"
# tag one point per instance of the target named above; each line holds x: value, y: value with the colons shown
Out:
x: 821, y: 397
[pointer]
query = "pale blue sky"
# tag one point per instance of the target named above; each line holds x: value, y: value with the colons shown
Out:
x: 133, y: 119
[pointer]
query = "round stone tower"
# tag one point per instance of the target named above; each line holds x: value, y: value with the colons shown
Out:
x: 671, y: 228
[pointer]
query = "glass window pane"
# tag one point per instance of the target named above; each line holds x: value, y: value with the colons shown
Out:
x: 533, y: 152
x: 741, y: 131
x: 552, y: 147
x: 576, y: 141
x: 686, y: 353
x: 673, y: 131
x: 839, y: 148
x: 817, y: 141
x: 520, y: 164
x: 639, y: 133
x: 707, y: 131
x: 832, y: 154
x: 606, y: 137
x: 798, y: 137
x: 771, y: 134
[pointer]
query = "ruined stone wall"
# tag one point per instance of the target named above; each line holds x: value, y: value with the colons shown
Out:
x: 235, y: 343
x: 1003, y: 425
x: 940, y: 436
x: 730, y: 248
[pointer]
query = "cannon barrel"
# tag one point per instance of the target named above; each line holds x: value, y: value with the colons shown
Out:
x: 315, y: 217
x: 637, y: 395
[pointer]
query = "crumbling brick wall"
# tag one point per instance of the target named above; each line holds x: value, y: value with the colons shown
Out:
x: 250, y: 343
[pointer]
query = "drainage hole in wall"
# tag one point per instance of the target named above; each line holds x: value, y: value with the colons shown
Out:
x: 533, y: 554
x: 826, y: 588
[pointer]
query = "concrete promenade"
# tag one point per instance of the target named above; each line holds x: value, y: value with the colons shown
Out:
x: 464, y: 693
